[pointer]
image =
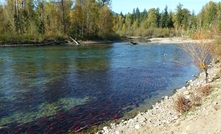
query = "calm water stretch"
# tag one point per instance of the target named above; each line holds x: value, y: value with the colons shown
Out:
x: 61, y: 89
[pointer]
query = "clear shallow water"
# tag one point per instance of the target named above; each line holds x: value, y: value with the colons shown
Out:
x: 59, y: 89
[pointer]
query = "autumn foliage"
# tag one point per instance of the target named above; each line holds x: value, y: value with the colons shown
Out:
x: 40, y: 20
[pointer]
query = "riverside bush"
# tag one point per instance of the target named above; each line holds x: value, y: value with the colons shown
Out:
x: 206, y: 90
x: 182, y: 104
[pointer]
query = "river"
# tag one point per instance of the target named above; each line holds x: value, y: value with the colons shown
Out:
x: 61, y: 89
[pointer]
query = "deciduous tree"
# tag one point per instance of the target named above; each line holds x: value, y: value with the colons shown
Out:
x: 201, y: 54
x: 151, y: 21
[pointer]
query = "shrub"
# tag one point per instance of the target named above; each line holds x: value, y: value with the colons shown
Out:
x: 200, y: 53
x: 202, y: 34
x: 182, y: 104
x: 196, y: 100
x: 206, y: 90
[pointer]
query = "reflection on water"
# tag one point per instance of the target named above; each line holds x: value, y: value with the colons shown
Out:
x: 60, y: 89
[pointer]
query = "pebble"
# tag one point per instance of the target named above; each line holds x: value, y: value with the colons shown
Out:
x: 137, y: 126
x: 215, y: 103
x: 187, y: 96
x: 186, y: 93
x: 105, y: 129
x: 117, y: 132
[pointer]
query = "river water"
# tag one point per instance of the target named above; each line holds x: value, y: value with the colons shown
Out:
x: 61, y: 89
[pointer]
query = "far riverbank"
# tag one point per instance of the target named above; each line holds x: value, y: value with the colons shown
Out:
x: 174, y: 40
x: 58, y: 42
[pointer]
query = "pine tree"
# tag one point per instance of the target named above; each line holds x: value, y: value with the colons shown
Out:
x: 164, y: 18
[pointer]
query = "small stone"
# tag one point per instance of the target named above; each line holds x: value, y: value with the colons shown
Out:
x: 175, y: 117
x: 137, y: 126
x: 117, y: 132
x: 187, y: 96
x: 217, y: 107
x: 215, y: 103
x: 183, y: 88
x: 105, y: 128
x: 186, y: 93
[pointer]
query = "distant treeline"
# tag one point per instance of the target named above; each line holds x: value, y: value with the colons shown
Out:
x: 43, y: 20
x: 165, y: 23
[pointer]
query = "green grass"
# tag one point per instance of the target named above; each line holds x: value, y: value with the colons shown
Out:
x: 213, y: 97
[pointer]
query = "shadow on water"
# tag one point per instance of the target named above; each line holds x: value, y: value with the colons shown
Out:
x: 70, y: 89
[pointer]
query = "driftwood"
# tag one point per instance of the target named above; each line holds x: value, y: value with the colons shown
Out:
x: 133, y: 43
x: 77, y: 43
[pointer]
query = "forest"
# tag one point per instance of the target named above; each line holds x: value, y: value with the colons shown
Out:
x: 42, y: 20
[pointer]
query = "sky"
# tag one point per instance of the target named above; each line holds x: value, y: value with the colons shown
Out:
x: 127, y: 6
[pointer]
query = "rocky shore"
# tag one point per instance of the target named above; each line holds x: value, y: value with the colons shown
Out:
x: 163, y: 118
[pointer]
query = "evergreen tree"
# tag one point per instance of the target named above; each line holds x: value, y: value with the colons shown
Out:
x: 170, y: 20
x: 158, y: 17
x: 133, y: 15
x: 178, y: 17
x: 185, y: 20
x: 164, y: 22
x: 137, y: 16
x: 143, y: 15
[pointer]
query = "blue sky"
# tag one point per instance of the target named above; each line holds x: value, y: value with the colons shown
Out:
x: 128, y: 5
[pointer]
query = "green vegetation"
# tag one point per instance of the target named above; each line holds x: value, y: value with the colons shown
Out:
x: 182, y: 22
x: 41, y: 21
x: 35, y: 21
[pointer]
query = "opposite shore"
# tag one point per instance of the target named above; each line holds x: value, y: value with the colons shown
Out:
x: 55, y: 42
x: 163, y: 118
x: 174, y: 40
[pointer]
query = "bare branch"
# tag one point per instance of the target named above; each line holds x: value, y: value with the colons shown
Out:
x: 201, y: 54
